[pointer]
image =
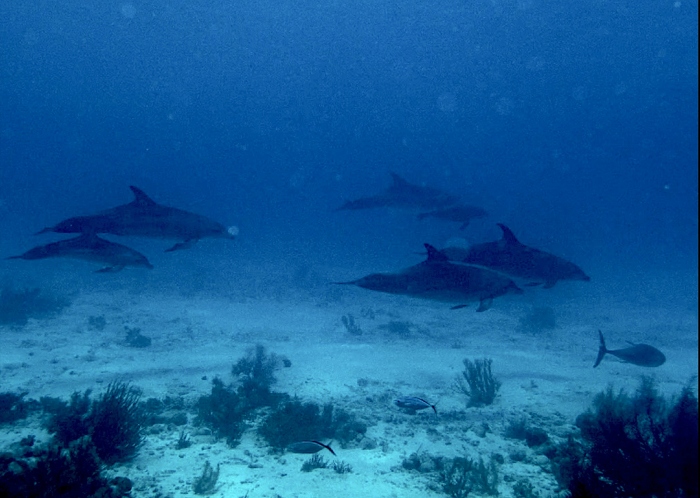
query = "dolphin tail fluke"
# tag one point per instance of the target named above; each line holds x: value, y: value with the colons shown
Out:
x: 601, y: 350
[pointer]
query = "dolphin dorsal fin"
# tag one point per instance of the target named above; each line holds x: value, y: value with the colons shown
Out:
x: 508, y: 235
x: 397, y: 181
x: 435, y: 254
x: 140, y: 197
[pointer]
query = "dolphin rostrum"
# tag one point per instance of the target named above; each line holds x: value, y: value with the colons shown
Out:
x: 510, y: 256
x: 637, y: 354
x: 440, y: 280
x: 402, y: 194
x: 143, y: 217
x: 90, y: 247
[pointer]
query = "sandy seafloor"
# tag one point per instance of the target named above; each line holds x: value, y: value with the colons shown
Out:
x: 546, y: 375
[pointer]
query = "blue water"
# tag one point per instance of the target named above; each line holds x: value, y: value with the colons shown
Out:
x: 574, y: 123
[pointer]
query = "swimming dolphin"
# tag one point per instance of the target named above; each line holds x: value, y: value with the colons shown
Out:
x: 402, y: 194
x: 637, y: 354
x: 462, y: 213
x: 143, y: 217
x: 510, y: 256
x: 440, y: 280
x: 90, y: 247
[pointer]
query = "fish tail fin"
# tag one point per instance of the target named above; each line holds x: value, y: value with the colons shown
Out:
x: 601, y: 350
x: 327, y: 446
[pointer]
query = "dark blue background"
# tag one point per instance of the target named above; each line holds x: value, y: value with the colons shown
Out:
x: 573, y: 122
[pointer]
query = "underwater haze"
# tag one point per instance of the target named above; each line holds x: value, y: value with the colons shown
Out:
x: 573, y: 123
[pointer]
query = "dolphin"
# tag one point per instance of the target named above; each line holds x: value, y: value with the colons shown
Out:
x: 510, y: 256
x: 143, y: 217
x: 404, y: 195
x: 90, y: 247
x: 637, y: 354
x: 462, y: 213
x: 438, y: 279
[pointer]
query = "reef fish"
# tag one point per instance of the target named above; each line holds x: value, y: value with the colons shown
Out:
x: 637, y: 354
x: 413, y: 403
x: 309, y: 447
x: 438, y: 279
x: 143, y: 217
x: 90, y: 247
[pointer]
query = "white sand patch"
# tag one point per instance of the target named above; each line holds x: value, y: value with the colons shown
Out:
x: 546, y: 376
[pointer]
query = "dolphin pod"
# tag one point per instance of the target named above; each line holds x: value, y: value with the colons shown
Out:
x: 143, y: 217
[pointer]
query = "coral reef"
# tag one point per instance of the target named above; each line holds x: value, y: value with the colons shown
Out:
x: 478, y: 383
x: 114, y: 422
x: 135, y: 339
x: 460, y: 476
x: 633, y: 446
x: 294, y: 421
x: 521, y: 429
x: 206, y: 483
x: 350, y: 325
x: 223, y: 412
x: 13, y: 407
x: 227, y: 407
x: 255, y: 373
x: 69, y: 472
x: 18, y: 306
x: 341, y: 467
x: 68, y: 421
x: 315, y: 462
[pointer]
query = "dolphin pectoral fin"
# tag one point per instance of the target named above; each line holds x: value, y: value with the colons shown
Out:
x: 458, y: 307
x: 485, y: 304
x: 464, y: 225
x: 182, y: 245
x: 549, y: 284
x: 110, y: 269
